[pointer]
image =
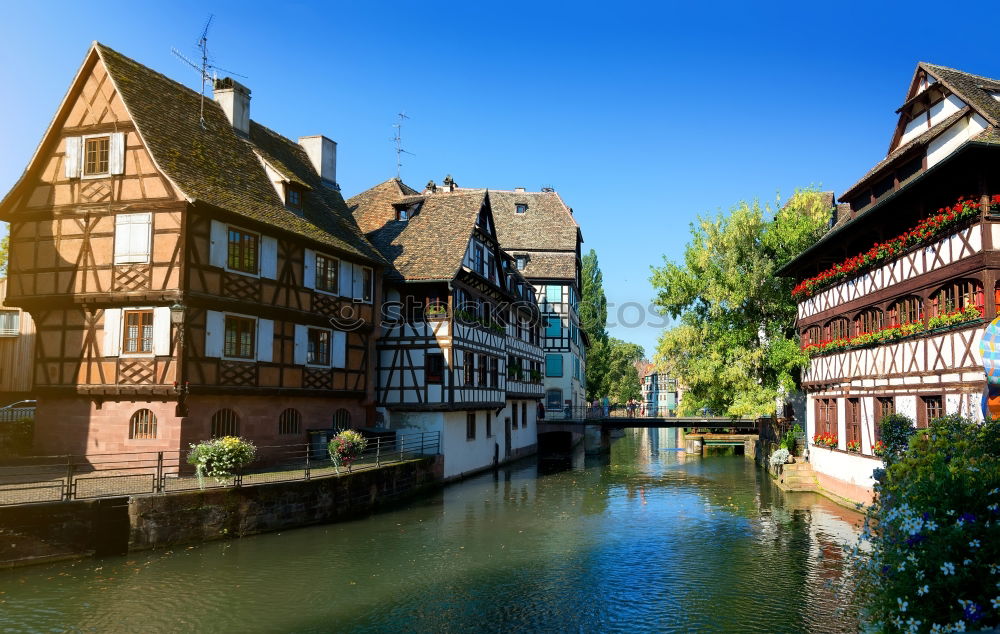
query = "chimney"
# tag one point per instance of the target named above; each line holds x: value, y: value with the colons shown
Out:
x: 322, y: 153
x: 518, y: 190
x: 450, y: 183
x: 234, y: 98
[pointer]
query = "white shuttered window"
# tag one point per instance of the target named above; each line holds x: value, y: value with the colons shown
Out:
x: 133, y: 238
x: 112, y: 331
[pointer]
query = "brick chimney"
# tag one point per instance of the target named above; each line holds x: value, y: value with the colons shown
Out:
x: 322, y: 153
x: 234, y: 98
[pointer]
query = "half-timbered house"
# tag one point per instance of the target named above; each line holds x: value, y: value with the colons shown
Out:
x: 892, y: 301
x: 460, y: 348
x: 191, y: 273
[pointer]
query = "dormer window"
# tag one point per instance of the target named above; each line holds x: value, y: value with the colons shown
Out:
x: 95, y: 155
x: 522, y: 261
x: 293, y: 197
x: 520, y: 208
x: 402, y: 214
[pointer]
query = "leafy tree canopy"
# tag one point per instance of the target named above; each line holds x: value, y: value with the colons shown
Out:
x: 734, y: 345
x: 618, y: 378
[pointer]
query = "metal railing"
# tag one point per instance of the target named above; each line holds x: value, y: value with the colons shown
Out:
x: 16, y: 414
x: 55, y: 478
x: 616, y: 413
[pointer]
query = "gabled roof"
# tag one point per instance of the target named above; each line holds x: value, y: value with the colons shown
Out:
x: 214, y: 166
x: 547, y: 225
x: 431, y: 245
x: 374, y: 207
x: 548, y: 265
x: 972, y: 89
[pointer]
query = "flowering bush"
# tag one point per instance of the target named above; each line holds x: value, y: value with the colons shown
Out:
x: 895, y: 431
x: 933, y: 564
x: 825, y: 440
x: 779, y: 457
x: 854, y: 446
x: 894, y: 333
x: 221, y: 458
x: 926, y: 230
x: 346, y: 447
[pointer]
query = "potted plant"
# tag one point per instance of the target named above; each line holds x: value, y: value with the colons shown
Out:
x: 778, y: 458
x: 222, y: 458
x: 345, y: 449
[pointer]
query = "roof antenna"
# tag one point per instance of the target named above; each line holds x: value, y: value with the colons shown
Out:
x: 204, y: 67
x: 398, y: 140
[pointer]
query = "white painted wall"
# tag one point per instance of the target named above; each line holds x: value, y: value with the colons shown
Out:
x: 953, y: 137
x: 945, y: 108
x: 841, y: 423
x: 460, y: 455
x: 850, y: 468
x: 907, y: 405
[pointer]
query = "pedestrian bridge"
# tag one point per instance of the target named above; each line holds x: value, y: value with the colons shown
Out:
x: 622, y: 418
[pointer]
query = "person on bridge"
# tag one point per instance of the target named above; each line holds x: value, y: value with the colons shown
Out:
x: 540, y: 411
x: 607, y: 406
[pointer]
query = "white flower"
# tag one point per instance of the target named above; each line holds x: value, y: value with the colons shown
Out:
x: 902, y: 604
x: 922, y: 590
x: 974, y: 543
x: 995, y: 601
x: 966, y: 562
x: 958, y: 626
x: 948, y: 568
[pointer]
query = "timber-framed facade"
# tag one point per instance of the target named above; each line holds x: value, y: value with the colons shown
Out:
x: 172, y: 275
x: 901, y: 332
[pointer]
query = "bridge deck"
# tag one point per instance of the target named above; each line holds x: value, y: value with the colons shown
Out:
x: 611, y: 420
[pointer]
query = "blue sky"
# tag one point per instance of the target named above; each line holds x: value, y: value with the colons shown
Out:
x: 641, y: 115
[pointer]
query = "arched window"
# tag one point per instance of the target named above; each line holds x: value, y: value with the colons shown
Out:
x: 342, y: 419
x: 868, y: 321
x: 812, y: 336
x: 289, y: 422
x: 142, y: 425
x: 906, y: 310
x: 225, y: 422
x: 956, y: 295
x: 838, y: 328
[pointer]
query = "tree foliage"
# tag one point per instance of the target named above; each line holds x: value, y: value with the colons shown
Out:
x: 610, y: 369
x: 618, y: 377
x: 4, y: 254
x: 734, y: 345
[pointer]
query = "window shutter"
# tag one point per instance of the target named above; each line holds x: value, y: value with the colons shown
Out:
x: 112, y: 331
x: 301, y: 344
x: 346, y: 277
x: 219, y: 245
x: 215, y: 326
x: 338, y: 355
x: 132, y: 237
x: 265, y: 340
x: 116, y: 153
x: 123, y: 238
x: 358, y: 274
x: 161, y: 331
x: 269, y: 257
x: 309, y: 269
x: 72, y: 159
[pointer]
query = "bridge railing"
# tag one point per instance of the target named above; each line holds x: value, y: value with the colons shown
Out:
x: 620, y: 412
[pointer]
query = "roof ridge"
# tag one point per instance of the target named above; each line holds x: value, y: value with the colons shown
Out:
x: 929, y: 66
x: 104, y: 47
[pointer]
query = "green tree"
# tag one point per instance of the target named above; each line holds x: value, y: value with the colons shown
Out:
x: 734, y: 345
x: 619, y: 380
x: 4, y: 254
x: 593, y: 303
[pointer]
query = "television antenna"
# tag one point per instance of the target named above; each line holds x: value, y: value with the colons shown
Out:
x: 205, y: 66
x: 398, y: 140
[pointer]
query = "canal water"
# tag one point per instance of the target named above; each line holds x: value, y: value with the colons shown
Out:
x: 646, y: 539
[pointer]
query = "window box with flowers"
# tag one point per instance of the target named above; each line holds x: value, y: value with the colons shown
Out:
x: 825, y: 440
x: 928, y: 230
x: 854, y: 446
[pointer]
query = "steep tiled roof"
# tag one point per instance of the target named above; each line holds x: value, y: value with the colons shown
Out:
x: 972, y: 89
x: 373, y: 207
x: 431, y: 244
x: 215, y: 166
x: 547, y: 265
x: 547, y: 225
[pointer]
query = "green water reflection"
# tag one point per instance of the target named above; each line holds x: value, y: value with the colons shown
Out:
x: 644, y: 540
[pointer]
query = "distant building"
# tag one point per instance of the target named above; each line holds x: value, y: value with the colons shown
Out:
x: 660, y: 395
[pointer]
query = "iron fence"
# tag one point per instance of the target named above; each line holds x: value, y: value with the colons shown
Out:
x: 55, y: 478
x: 17, y: 414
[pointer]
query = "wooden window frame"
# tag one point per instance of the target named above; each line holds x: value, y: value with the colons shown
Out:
x: 239, y: 252
x: 470, y: 426
x: 96, y: 139
x: 880, y: 413
x: 469, y: 368
x: 294, y: 197
x: 956, y: 295
x: 434, y: 368
x: 494, y: 372
x: 852, y: 419
x: 839, y: 328
x: 521, y: 208
x: 483, y: 370
x: 145, y: 321
x: 894, y: 311
x: 323, y: 362
x: 868, y: 321
x: 323, y: 276
x: 242, y: 325
x: 924, y: 413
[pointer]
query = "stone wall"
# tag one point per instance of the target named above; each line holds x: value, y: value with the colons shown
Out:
x: 196, y: 516
x: 33, y: 533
